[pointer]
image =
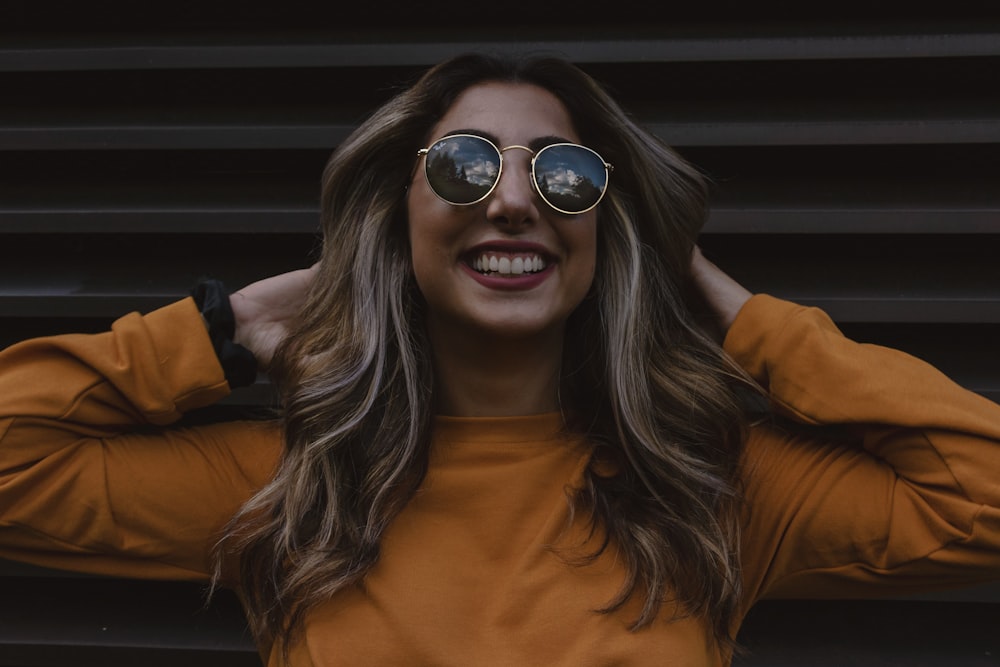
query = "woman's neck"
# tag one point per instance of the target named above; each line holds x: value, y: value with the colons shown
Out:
x: 479, y: 375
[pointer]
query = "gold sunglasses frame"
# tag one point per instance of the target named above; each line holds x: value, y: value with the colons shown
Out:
x: 608, y: 168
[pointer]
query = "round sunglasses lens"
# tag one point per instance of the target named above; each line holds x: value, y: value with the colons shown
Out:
x: 570, y: 178
x: 462, y: 169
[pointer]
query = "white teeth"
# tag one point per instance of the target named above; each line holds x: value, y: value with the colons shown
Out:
x: 508, y: 266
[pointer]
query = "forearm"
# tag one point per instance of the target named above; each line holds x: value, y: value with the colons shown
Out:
x: 724, y: 295
x: 146, y: 370
x: 86, y: 483
x: 908, y: 500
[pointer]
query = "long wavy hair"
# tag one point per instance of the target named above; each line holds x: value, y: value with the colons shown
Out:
x: 356, y: 378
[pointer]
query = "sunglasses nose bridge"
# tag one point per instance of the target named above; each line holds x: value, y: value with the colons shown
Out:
x: 513, y: 194
x: 504, y: 168
x: 530, y: 153
x: 513, y: 146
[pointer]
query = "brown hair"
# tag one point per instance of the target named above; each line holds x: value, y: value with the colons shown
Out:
x: 356, y: 377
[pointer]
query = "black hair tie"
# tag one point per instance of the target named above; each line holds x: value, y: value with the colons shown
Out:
x: 238, y: 363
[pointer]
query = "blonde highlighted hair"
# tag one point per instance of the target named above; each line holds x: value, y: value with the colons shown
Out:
x: 357, y: 382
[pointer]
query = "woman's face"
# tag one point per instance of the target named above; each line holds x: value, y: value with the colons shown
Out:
x: 556, y: 253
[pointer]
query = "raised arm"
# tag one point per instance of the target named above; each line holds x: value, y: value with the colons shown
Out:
x: 900, y: 493
x: 892, y: 483
x: 89, y: 477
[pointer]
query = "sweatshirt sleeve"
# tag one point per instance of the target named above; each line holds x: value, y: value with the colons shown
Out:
x: 91, y: 476
x: 902, y: 493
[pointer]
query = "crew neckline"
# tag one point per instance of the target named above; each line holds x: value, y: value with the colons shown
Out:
x: 527, y: 428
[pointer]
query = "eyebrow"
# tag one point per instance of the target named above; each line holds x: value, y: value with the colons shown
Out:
x: 541, y: 142
x: 477, y: 133
x: 535, y: 145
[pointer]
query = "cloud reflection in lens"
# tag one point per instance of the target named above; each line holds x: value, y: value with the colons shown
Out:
x: 570, y: 178
x: 462, y: 169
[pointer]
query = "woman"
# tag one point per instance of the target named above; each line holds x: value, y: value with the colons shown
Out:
x: 506, y: 439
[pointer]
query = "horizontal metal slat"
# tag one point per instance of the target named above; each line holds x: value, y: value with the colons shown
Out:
x: 300, y: 133
x: 252, y: 211
x: 785, y: 633
x: 915, y: 189
x: 871, y: 278
x: 181, y: 200
x: 708, y: 104
x: 804, y: 132
x: 898, y: 309
x: 776, y: 219
x: 78, y: 621
x: 47, y: 654
x: 791, y: 219
x: 158, y: 221
x: 160, y: 135
x: 909, y: 278
x: 771, y: 190
x: 379, y: 49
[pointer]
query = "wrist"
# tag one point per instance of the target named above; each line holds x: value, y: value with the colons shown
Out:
x: 238, y: 306
x: 238, y: 363
x: 724, y: 295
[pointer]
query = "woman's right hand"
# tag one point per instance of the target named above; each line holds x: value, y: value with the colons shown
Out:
x: 264, y: 311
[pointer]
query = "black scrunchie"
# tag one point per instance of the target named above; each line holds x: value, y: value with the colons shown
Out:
x: 238, y: 363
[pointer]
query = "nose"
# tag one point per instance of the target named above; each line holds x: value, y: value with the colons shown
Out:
x: 513, y: 201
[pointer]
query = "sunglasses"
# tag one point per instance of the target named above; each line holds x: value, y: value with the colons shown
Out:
x: 463, y: 169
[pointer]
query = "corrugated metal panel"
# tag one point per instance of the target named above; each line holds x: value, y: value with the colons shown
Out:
x: 855, y: 166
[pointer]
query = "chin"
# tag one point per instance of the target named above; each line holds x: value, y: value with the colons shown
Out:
x: 515, y: 328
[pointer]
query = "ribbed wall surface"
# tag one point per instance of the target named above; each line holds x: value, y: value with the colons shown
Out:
x: 856, y: 167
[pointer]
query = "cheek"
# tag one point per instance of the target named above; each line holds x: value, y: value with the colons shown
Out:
x: 434, y: 236
x: 432, y: 224
x: 590, y: 252
x: 584, y: 240
x: 432, y: 241
x: 427, y: 216
x: 419, y: 226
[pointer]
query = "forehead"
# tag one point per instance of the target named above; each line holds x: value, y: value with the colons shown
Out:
x: 513, y: 112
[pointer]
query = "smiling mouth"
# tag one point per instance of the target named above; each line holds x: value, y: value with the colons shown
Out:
x: 507, y: 264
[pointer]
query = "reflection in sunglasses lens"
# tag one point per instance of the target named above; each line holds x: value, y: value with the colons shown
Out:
x: 570, y: 178
x: 462, y: 169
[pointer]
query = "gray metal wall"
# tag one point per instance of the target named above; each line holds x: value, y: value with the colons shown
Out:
x: 856, y: 163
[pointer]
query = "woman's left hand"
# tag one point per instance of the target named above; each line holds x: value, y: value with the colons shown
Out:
x: 724, y: 295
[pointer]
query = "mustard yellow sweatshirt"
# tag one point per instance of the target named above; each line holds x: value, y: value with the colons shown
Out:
x: 92, y: 478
